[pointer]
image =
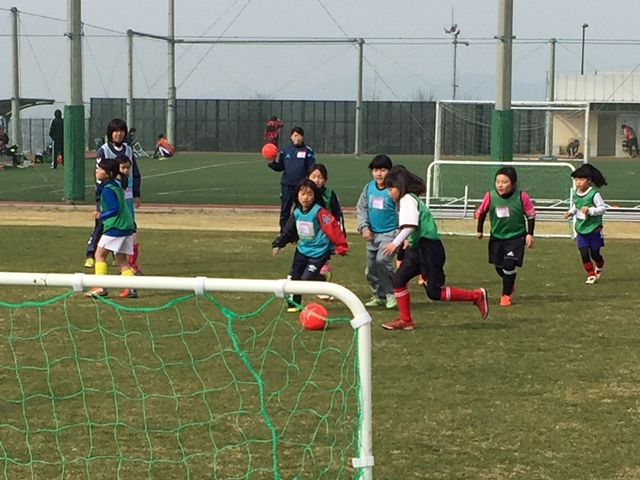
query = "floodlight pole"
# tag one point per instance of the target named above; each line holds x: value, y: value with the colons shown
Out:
x: 74, y: 130
x: 16, y: 130
x: 358, y: 130
x: 129, y: 112
x: 551, y: 96
x: 171, y: 97
x: 455, y: 63
x: 584, y: 27
x: 502, y: 119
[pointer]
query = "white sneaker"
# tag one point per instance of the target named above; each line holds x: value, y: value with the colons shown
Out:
x: 599, y: 272
x: 591, y: 280
x: 325, y: 297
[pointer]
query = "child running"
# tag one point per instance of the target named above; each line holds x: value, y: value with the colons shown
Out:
x: 131, y: 174
x: 117, y: 220
x: 318, y: 234
x: 424, y: 252
x: 588, y: 208
x: 507, y: 207
x: 378, y: 225
x: 329, y: 200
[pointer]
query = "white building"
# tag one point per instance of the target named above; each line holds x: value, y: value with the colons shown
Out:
x: 614, y: 100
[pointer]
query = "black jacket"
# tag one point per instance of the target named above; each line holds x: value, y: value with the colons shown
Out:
x: 56, y: 131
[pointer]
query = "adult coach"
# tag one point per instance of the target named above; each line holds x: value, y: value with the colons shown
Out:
x: 294, y: 161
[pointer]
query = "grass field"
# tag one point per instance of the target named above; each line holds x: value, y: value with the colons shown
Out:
x: 244, y: 179
x: 546, y: 389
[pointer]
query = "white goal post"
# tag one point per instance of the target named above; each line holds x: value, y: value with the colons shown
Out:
x: 281, y: 288
x: 549, y: 185
x: 463, y: 129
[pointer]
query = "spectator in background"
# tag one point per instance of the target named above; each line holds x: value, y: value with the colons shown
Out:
x: 56, y: 132
x: 272, y: 130
x: 130, y: 138
x: 4, y: 138
x: 632, y: 140
x: 573, y: 148
x: 164, y: 149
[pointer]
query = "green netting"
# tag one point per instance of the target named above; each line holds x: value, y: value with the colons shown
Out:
x: 544, y: 184
x: 466, y: 130
x: 190, y: 389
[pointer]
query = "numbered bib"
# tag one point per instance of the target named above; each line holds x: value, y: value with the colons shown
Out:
x: 502, y: 212
x: 305, y: 230
x: 377, y: 203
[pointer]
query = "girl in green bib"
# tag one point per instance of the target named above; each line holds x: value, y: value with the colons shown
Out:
x: 588, y: 207
x: 507, y: 207
x: 116, y: 217
x: 424, y: 252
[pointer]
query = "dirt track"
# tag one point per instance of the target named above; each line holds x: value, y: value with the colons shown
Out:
x: 229, y: 219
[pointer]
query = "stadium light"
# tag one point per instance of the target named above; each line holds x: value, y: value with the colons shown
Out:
x: 584, y: 27
x: 455, y: 31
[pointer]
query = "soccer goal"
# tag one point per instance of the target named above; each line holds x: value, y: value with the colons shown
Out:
x: 455, y: 190
x: 188, y: 389
x: 542, y: 130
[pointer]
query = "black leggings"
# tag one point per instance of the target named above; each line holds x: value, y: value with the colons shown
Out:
x: 587, y: 254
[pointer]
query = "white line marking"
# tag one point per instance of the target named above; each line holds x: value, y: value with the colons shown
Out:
x: 144, y: 177
x: 175, y: 192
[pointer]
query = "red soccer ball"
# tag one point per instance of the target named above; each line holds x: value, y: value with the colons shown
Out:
x: 314, y: 317
x: 270, y: 152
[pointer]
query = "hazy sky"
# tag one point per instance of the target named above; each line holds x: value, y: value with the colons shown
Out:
x: 405, y: 72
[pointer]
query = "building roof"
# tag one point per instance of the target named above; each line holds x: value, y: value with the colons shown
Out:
x: 608, y: 87
x: 5, y: 105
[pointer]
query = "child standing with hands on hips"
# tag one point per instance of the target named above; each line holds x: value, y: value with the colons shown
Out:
x: 378, y: 225
x: 318, y: 234
x: 588, y: 209
x: 507, y: 207
x: 117, y: 236
x: 424, y: 252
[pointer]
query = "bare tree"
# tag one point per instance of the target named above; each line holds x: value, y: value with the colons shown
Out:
x: 261, y: 96
x: 421, y: 95
x: 373, y: 93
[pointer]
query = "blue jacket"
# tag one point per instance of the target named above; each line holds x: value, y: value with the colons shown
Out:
x: 294, y: 163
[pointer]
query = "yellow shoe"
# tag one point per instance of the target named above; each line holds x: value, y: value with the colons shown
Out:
x: 293, y: 309
x: 89, y: 263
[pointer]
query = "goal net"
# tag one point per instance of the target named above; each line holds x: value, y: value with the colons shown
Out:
x: 188, y: 389
x: 541, y: 129
x: 455, y: 190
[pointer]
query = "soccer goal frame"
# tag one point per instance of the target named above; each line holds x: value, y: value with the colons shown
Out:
x: 361, y: 321
x: 549, y: 107
x: 463, y: 207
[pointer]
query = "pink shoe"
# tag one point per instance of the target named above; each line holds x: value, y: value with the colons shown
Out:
x: 482, y: 303
x: 399, y: 324
x: 325, y: 268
